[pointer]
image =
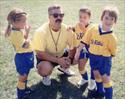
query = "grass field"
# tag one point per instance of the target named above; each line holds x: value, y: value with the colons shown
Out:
x: 62, y: 87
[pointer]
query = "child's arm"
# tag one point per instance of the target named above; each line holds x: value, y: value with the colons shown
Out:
x: 85, y: 41
x: 112, y: 45
x: 26, y: 36
x: 78, y: 50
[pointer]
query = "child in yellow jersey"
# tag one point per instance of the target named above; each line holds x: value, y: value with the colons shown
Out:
x: 79, y: 30
x: 17, y: 33
x: 102, y: 47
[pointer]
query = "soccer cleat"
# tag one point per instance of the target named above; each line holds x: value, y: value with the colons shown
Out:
x: 91, y: 94
x: 99, y: 96
x: 66, y: 71
x: 46, y: 81
x: 95, y: 95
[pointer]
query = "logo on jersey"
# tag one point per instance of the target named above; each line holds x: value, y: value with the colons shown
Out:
x: 79, y: 35
x: 96, y: 42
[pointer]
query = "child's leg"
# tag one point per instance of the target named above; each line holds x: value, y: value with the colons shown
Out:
x: 91, y: 86
x: 21, y: 86
x: 107, y: 86
x: 92, y: 83
x: 83, y: 58
x: 82, y: 69
x: 99, y: 83
x: 105, y: 72
x: 24, y: 62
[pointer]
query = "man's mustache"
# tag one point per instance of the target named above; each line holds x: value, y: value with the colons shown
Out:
x: 58, y: 20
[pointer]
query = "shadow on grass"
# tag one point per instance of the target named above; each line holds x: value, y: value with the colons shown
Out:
x: 62, y: 89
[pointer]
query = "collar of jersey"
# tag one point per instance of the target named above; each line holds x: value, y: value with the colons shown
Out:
x: 103, y: 33
x: 16, y: 29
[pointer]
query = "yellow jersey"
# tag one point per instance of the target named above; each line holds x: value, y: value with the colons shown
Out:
x: 100, y: 42
x: 43, y: 40
x: 16, y: 37
x: 79, y: 33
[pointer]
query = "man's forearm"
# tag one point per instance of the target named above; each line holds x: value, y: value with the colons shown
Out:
x: 45, y: 56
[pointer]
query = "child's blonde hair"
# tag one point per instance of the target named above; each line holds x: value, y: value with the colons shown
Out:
x: 85, y: 9
x: 112, y: 10
x: 13, y: 16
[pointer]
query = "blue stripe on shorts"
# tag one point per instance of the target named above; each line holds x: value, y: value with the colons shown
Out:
x: 83, y: 55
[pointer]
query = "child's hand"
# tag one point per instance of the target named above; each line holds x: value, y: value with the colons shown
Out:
x: 69, y: 28
x: 27, y: 30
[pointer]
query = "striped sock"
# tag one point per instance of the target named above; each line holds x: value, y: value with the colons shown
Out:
x: 20, y: 90
x: 108, y: 90
x: 85, y: 76
x: 92, y: 75
x: 99, y: 85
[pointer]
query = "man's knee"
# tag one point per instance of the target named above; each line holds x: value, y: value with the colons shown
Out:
x: 44, y: 68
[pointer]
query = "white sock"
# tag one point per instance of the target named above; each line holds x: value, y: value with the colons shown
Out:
x: 92, y: 84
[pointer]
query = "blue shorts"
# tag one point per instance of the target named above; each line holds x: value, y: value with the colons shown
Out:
x: 24, y: 62
x: 101, y: 63
x: 83, y: 55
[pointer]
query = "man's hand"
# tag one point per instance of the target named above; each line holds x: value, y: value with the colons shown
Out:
x: 64, y: 62
x: 75, y: 62
x: 68, y: 60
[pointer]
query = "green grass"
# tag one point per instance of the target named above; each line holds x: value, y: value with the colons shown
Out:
x: 62, y: 88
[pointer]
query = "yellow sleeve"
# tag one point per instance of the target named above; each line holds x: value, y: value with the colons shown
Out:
x: 87, y: 37
x: 70, y: 41
x: 112, y: 45
x: 39, y: 41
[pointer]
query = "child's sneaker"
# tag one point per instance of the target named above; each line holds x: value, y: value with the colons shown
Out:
x: 46, y: 81
x: 82, y: 82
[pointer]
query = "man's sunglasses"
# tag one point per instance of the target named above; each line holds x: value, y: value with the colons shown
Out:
x: 56, y: 15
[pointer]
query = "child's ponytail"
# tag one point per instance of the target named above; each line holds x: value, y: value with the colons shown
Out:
x: 12, y: 17
x: 8, y: 30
